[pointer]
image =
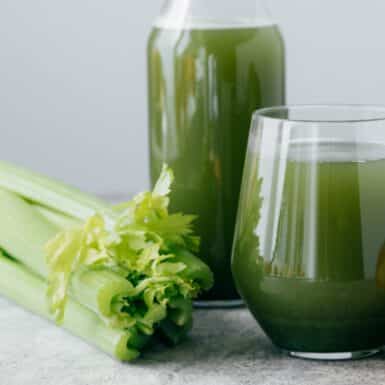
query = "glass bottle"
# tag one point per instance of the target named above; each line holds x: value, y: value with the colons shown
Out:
x: 211, y: 63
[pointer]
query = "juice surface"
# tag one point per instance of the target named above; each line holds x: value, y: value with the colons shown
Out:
x: 204, y: 84
x: 309, y: 251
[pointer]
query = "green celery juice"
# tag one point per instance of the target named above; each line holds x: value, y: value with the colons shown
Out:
x: 205, y: 80
x: 312, y: 277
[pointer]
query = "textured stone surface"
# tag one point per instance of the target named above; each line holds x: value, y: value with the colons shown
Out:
x: 226, y: 347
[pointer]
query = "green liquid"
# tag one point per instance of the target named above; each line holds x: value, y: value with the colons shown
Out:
x: 204, y: 85
x: 311, y: 277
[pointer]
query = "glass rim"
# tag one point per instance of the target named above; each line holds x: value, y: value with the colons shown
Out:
x: 378, y: 112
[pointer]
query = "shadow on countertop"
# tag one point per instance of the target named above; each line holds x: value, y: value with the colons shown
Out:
x: 231, y: 338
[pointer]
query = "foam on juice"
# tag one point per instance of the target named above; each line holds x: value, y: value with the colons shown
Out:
x: 334, y: 151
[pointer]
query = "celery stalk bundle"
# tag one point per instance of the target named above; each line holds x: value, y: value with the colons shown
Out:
x: 115, y: 276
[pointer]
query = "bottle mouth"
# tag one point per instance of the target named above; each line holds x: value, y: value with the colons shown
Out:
x: 169, y: 22
x: 320, y: 114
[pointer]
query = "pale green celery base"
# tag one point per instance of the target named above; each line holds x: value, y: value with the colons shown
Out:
x: 51, y: 193
x: 29, y: 291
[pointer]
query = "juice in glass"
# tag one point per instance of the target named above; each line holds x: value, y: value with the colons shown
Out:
x: 321, y: 289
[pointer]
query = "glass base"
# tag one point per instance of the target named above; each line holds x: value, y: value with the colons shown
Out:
x: 335, y: 356
x: 225, y: 304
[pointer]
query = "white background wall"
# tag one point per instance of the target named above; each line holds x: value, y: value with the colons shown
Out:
x: 73, y: 82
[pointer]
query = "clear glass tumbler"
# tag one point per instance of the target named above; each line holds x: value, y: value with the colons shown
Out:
x: 308, y: 256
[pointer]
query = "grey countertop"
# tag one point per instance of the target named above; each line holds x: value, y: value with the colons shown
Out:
x: 225, y: 348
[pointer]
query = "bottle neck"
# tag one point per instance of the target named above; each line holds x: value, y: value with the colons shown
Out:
x: 213, y: 13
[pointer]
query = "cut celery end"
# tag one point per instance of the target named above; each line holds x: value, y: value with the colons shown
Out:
x: 51, y: 193
x: 98, y: 288
x: 28, y: 290
x: 180, y: 311
x: 174, y: 334
x: 196, y: 270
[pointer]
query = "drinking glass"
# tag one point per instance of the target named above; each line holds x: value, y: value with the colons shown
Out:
x: 308, y: 255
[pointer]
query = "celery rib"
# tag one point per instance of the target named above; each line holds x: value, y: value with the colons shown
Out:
x: 51, y: 193
x: 62, y: 221
x: 28, y: 290
x: 23, y: 234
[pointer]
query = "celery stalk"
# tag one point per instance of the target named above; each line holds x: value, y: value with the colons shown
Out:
x: 23, y: 234
x: 51, y: 193
x: 28, y: 290
x: 128, y: 264
x: 108, y: 284
x: 85, y: 282
x: 62, y: 221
